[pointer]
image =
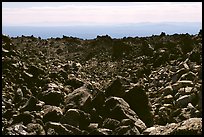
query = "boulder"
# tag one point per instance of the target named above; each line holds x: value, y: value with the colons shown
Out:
x: 30, y: 104
x: 51, y: 113
x: 101, y: 131
x: 138, y: 101
x: 35, y: 129
x: 79, y: 98
x: 52, y: 97
x: 76, y: 117
x: 118, y: 109
x: 116, y: 88
x: 24, y: 117
x: 74, y: 82
x: 58, y: 128
x: 138, y: 124
x: 183, y: 101
x: 126, y: 130
x: 192, y: 126
x: 110, y: 123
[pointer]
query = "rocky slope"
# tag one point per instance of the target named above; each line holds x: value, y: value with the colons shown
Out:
x: 130, y: 86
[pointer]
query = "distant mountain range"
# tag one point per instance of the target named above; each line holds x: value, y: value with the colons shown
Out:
x: 115, y: 31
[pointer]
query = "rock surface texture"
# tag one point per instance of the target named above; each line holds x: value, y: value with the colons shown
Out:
x: 104, y: 86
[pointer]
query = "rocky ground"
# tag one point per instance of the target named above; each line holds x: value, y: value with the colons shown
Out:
x: 130, y: 86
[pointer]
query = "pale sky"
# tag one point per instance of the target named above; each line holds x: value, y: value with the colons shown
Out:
x: 97, y: 13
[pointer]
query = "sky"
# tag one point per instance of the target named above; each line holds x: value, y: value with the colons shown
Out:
x: 97, y: 13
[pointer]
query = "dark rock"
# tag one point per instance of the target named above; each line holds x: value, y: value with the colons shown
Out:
x: 51, y: 113
x: 79, y: 98
x: 126, y: 130
x: 138, y: 124
x: 30, y: 104
x: 77, y: 118
x: 75, y: 130
x: 101, y: 131
x: 98, y: 101
x: 118, y: 109
x: 35, y: 129
x: 74, y: 82
x: 138, y: 101
x: 24, y: 117
x: 110, y: 123
x: 58, y: 128
x: 192, y: 126
x: 52, y: 97
x: 116, y: 88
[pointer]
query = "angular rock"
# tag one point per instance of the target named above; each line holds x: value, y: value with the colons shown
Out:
x: 79, y: 98
x: 101, y: 131
x: 138, y: 101
x: 116, y: 88
x: 24, y: 117
x: 52, y: 97
x: 30, y: 104
x: 35, y: 129
x: 76, y: 117
x: 74, y: 82
x: 183, y: 101
x: 58, y: 128
x: 110, y: 123
x: 126, y: 130
x: 51, y: 113
x: 118, y: 109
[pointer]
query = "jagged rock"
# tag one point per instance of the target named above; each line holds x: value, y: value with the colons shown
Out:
x: 52, y: 97
x: 183, y: 101
x: 167, y: 90
x: 75, y: 130
x: 116, y: 88
x: 35, y: 129
x: 168, y: 99
x: 24, y: 117
x: 138, y: 101
x: 74, y: 82
x: 192, y: 126
x: 110, y: 123
x: 79, y: 98
x: 59, y: 129
x: 126, y: 130
x: 76, y: 117
x: 138, y: 124
x: 101, y: 131
x: 17, y: 129
x: 30, y: 104
x: 51, y: 113
x: 98, y: 101
x: 118, y: 109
